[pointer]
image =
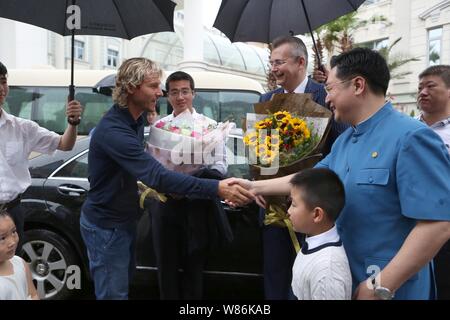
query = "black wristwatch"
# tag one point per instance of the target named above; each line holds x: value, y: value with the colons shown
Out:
x: 73, y: 122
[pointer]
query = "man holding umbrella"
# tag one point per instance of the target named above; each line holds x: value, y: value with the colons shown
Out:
x: 289, y: 62
x: 20, y: 137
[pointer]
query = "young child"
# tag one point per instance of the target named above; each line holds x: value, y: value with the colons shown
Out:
x: 321, y: 270
x: 15, y: 276
x: 152, y: 115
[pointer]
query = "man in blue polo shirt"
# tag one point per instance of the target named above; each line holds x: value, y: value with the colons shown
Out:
x: 116, y: 161
x: 396, y: 173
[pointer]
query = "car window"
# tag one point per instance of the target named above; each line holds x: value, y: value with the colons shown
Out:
x: 95, y: 106
x: 208, y: 103
x: 77, y: 168
x: 237, y: 162
x: 47, y: 106
x: 19, y: 101
x: 50, y: 109
x: 234, y: 106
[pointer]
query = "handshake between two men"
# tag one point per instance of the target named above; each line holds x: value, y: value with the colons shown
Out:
x: 238, y: 192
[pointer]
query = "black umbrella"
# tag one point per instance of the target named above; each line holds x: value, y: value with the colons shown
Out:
x: 106, y: 85
x: 115, y: 18
x: 264, y: 20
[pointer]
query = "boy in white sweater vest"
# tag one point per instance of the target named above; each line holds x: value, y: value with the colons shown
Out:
x: 321, y: 270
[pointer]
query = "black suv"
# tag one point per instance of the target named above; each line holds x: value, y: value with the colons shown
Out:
x: 53, y: 242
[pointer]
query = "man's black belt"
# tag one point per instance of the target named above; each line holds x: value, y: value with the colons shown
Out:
x: 10, y: 205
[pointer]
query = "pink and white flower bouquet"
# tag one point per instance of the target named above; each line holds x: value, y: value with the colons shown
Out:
x: 184, y: 143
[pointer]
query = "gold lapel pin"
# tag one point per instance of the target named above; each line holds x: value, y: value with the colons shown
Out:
x: 374, y: 154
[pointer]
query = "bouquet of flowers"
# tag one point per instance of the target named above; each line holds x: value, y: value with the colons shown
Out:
x: 284, y: 136
x: 281, y: 136
x: 185, y: 144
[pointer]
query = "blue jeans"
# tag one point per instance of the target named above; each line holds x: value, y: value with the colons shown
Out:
x: 111, y: 254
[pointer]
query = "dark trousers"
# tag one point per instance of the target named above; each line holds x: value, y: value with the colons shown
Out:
x: 442, y: 267
x: 171, y: 232
x: 18, y: 216
x: 279, y: 256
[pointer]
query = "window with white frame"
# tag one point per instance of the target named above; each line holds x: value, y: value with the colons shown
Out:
x: 367, y: 2
x: 180, y: 15
x: 376, y: 44
x: 112, y: 58
x: 79, y: 50
x: 434, y: 46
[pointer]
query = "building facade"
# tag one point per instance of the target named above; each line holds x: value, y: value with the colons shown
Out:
x: 424, y: 29
x: 423, y: 26
x: 191, y: 47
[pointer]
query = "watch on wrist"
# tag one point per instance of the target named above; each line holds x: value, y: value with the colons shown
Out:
x: 382, y: 292
x: 73, y: 121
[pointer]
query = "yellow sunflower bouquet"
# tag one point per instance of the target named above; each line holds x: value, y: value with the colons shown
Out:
x: 285, y: 135
x: 281, y: 138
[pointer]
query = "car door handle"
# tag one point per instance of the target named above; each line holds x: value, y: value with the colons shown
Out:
x: 73, y: 191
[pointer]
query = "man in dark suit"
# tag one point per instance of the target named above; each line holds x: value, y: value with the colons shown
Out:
x: 289, y: 61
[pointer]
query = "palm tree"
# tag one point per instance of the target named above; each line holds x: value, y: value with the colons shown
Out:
x: 271, y: 81
x: 338, y: 34
x: 396, y: 60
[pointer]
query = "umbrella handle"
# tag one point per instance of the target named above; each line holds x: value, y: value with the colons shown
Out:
x: 72, y: 120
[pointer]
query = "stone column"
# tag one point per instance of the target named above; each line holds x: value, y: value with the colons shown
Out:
x: 22, y: 45
x: 8, y: 43
x: 193, y: 36
x: 60, y: 52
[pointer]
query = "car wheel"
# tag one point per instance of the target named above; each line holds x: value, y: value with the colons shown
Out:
x: 49, y: 255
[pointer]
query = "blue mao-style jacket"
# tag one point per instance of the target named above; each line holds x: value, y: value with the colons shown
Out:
x: 396, y: 172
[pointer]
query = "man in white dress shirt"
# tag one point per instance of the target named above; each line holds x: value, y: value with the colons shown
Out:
x: 434, y: 100
x: 20, y: 137
x: 181, y: 227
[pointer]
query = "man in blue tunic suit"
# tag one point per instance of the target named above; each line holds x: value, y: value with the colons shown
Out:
x: 396, y: 173
x: 289, y: 61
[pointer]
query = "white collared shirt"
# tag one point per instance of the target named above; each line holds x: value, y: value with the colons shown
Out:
x: 219, y: 165
x: 324, y: 273
x: 301, y: 88
x: 329, y: 236
x: 442, y: 128
x: 19, y: 137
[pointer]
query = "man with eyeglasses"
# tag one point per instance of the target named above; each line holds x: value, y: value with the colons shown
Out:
x: 396, y: 174
x: 289, y: 62
x: 184, y: 229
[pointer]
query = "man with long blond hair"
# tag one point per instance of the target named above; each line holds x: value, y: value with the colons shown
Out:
x: 116, y: 161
